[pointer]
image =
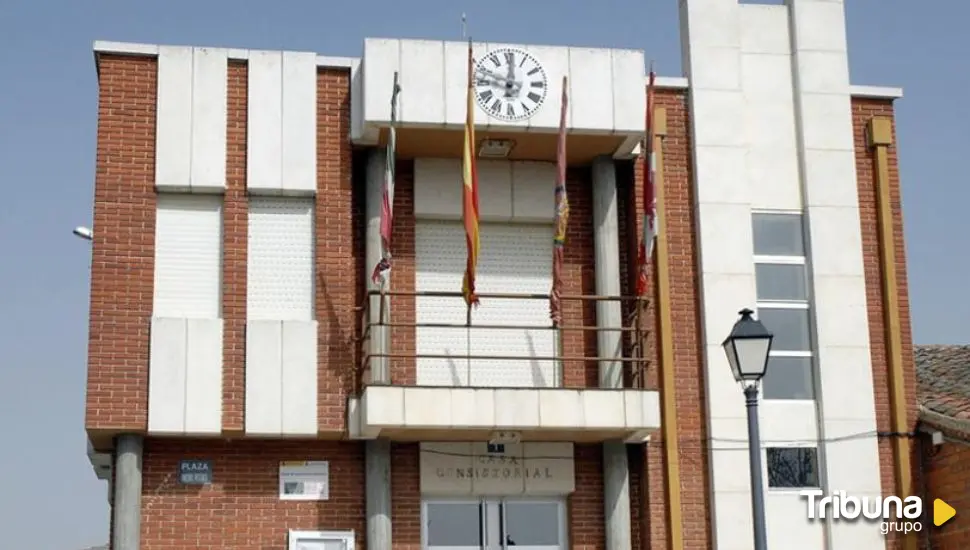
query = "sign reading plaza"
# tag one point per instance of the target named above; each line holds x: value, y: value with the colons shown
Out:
x: 895, y: 515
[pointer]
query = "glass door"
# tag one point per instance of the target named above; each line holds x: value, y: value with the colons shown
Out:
x: 453, y: 524
x: 534, y: 524
x: 494, y: 524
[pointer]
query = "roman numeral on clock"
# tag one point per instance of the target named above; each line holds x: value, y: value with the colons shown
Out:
x: 510, y: 110
x: 497, y: 106
x: 485, y: 96
x: 534, y: 97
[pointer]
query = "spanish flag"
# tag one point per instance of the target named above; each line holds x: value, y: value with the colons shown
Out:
x: 469, y: 175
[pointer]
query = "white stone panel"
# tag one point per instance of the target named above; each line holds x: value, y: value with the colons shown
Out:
x: 203, y: 377
x: 424, y: 101
x: 299, y: 124
x: 299, y: 378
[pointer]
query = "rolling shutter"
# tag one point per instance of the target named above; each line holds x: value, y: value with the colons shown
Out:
x: 515, y: 258
x: 280, y: 259
x: 188, y: 256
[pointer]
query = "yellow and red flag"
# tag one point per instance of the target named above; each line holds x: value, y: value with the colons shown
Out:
x: 469, y: 176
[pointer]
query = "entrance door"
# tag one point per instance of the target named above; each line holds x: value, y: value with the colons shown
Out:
x: 494, y: 524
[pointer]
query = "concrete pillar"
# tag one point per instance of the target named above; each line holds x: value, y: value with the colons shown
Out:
x: 606, y: 251
x: 606, y: 243
x: 616, y: 496
x: 126, y: 508
x: 378, y: 487
x: 380, y: 337
x: 377, y: 452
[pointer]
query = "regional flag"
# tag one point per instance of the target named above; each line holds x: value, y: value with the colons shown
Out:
x: 649, y: 193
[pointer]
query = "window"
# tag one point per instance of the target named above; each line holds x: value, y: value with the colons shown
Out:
x: 494, y: 523
x: 783, y: 304
x: 454, y: 524
x: 280, y: 259
x: 188, y: 256
x: 792, y: 467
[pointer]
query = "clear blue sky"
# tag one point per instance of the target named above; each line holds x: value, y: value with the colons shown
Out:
x: 48, y: 115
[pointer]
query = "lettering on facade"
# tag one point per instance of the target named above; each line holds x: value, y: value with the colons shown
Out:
x: 496, y: 467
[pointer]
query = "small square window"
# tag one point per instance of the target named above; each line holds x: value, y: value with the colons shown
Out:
x: 778, y: 235
x: 790, y: 326
x: 781, y: 282
x: 792, y: 467
x: 789, y: 378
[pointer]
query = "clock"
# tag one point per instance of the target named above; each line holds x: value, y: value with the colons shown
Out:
x: 510, y: 84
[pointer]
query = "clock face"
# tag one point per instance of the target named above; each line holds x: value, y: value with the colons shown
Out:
x: 510, y: 84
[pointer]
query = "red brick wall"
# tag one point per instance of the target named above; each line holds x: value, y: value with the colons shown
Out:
x: 122, y: 261
x: 242, y: 510
x: 947, y: 476
x: 122, y: 271
x: 864, y: 110
x: 338, y: 252
x: 235, y: 219
x: 687, y: 360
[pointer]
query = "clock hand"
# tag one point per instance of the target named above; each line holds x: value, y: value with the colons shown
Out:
x: 493, y: 75
x: 510, y: 83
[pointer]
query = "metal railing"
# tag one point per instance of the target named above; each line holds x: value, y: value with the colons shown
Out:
x: 632, y: 353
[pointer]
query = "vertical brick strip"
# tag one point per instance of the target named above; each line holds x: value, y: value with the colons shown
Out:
x: 578, y: 279
x: 406, y: 496
x: 235, y: 243
x: 122, y: 266
x: 864, y: 110
x: 688, y: 359
x: 403, y: 370
x: 337, y: 255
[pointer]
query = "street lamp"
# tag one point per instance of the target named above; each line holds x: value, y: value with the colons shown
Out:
x: 83, y: 232
x: 747, y: 350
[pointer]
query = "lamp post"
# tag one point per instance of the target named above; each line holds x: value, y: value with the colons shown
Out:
x: 83, y: 232
x: 747, y: 350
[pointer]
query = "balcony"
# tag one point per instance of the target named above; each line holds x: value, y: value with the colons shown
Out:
x: 451, y: 375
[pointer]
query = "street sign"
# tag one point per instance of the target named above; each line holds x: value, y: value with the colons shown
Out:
x: 195, y: 472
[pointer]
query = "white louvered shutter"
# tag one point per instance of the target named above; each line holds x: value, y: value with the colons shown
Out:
x: 280, y: 259
x: 515, y: 258
x: 188, y: 256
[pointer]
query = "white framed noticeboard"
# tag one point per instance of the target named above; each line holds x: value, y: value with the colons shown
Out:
x: 305, y: 480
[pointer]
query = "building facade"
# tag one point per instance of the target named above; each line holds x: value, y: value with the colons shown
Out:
x: 250, y: 386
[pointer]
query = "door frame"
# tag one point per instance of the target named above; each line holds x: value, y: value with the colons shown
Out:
x: 297, y: 536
